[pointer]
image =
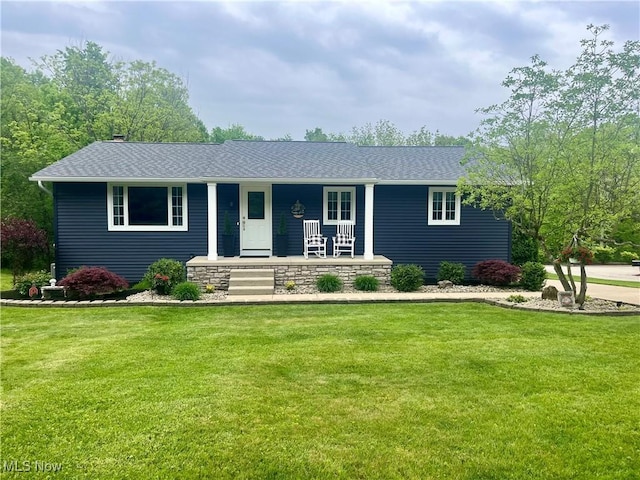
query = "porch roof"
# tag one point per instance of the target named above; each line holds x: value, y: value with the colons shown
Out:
x: 268, y: 161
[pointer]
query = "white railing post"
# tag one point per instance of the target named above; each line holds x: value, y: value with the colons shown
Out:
x: 212, y: 221
x: 368, y: 221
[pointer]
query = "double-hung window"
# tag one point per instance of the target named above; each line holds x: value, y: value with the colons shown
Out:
x: 339, y: 205
x: 147, y: 207
x: 444, y: 206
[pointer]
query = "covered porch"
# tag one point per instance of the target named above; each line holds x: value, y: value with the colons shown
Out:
x: 252, y: 213
x: 297, y: 269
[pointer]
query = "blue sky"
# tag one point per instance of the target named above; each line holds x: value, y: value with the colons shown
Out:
x: 284, y: 67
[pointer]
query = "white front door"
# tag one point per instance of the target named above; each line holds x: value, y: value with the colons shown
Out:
x: 255, y: 220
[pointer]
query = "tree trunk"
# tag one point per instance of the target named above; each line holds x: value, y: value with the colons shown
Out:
x: 582, y: 296
x: 557, y: 267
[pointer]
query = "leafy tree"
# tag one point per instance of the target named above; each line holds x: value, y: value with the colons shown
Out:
x: 385, y: 133
x: 87, y: 82
x: 233, y: 132
x: 32, y: 138
x: 152, y: 106
x: 560, y: 157
x: 285, y: 138
x: 382, y: 133
x: 316, y: 135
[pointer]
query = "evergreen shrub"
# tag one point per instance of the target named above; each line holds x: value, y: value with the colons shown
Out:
x: 407, y: 278
x: 533, y: 276
x: 454, y: 272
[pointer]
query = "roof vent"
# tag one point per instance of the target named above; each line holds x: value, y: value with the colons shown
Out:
x: 118, y: 138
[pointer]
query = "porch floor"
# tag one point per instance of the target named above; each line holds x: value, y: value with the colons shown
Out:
x: 203, y: 261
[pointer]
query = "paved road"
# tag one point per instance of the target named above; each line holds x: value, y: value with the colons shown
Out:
x: 608, y: 272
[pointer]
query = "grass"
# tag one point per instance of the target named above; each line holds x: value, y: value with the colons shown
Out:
x: 6, y: 280
x: 464, y: 391
x: 601, y: 281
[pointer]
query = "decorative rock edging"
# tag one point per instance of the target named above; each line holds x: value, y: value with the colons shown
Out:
x: 287, y: 300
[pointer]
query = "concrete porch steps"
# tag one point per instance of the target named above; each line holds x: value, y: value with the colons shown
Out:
x: 252, y: 281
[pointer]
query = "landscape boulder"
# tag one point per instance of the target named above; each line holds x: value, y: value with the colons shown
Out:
x: 550, y: 293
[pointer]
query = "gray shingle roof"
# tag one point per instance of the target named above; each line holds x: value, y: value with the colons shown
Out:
x: 415, y: 163
x: 289, y: 160
x: 124, y: 160
x: 238, y: 160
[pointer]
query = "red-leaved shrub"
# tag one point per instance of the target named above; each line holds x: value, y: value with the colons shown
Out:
x: 22, y: 242
x: 89, y: 281
x: 496, y: 272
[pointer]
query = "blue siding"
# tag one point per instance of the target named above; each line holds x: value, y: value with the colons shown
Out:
x: 82, y: 237
x: 284, y: 196
x: 228, y: 201
x: 401, y: 232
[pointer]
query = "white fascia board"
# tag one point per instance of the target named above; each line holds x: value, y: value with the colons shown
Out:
x: 321, y: 181
x: 299, y: 181
x: 419, y: 182
x: 114, y: 180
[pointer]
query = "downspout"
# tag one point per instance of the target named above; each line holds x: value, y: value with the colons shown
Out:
x: 44, y: 189
x: 53, y: 264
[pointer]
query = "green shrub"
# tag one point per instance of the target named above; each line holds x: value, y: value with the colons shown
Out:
x: 454, y: 272
x: 407, y: 278
x: 517, y: 298
x: 186, y: 291
x: 164, y: 274
x: 329, y: 283
x: 533, y: 276
x: 24, y: 282
x: 290, y: 285
x: 366, y: 283
x: 603, y: 254
x: 626, y: 256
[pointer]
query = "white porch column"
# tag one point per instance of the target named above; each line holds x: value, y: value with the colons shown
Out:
x: 368, y: 221
x: 212, y: 221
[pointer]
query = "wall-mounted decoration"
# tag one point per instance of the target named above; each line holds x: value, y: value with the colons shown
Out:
x: 297, y: 209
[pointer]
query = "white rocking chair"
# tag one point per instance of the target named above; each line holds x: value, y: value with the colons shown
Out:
x: 344, y: 241
x: 314, y: 242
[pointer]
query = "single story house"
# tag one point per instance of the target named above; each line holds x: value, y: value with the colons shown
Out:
x: 123, y: 205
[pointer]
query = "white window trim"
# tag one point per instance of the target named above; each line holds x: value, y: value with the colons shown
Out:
x: 430, y: 220
x: 325, y: 210
x: 147, y: 228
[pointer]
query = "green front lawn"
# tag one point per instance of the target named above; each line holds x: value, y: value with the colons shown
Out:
x: 333, y: 391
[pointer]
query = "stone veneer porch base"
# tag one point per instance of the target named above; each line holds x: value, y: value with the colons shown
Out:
x: 301, y: 271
